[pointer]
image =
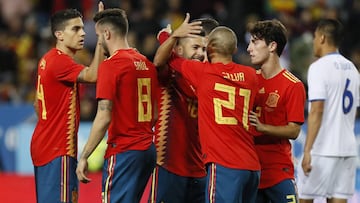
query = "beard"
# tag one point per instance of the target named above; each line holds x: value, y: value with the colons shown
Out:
x: 106, y: 49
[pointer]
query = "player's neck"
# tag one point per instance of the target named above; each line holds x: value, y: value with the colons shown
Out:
x: 328, y: 50
x: 218, y: 58
x: 271, y: 67
x: 69, y: 51
x: 118, y: 45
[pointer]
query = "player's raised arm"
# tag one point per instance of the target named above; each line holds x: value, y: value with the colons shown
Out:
x: 186, y: 29
x: 89, y: 74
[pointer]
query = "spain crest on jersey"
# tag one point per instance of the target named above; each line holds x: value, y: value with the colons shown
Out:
x: 272, y: 99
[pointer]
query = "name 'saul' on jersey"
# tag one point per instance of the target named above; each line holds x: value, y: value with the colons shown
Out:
x: 140, y: 65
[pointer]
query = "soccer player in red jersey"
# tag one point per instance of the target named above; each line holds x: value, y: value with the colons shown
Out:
x: 279, y: 113
x: 180, y: 172
x: 54, y: 141
x: 226, y: 94
x: 126, y: 91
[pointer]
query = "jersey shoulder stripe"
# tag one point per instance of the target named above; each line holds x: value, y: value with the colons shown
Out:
x: 291, y: 77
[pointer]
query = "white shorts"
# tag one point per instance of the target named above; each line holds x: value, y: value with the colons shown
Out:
x: 330, y: 177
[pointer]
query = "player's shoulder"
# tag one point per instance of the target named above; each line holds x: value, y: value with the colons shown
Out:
x: 140, y: 61
x: 55, y: 54
x: 246, y: 68
x: 290, y: 77
x: 327, y: 60
x: 55, y: 57
x: 124, y: 56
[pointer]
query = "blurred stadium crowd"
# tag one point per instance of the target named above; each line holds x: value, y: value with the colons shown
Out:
x: 25, y: 35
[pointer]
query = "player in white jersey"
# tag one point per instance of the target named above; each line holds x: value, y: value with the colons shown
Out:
x: 329, y: 163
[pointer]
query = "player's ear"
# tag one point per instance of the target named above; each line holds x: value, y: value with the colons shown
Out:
x: 107, y: 34
x: 273, y: 46
x: 179, y: 50
x: 322, y: 38
x: 235, y: 50
x: 59, y: 35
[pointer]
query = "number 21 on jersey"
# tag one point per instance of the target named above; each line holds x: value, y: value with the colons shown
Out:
x: 219, y: 104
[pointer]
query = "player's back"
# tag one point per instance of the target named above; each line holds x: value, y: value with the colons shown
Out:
x: 340, y: 91
x: 226, y: 94
x: 133, y: 80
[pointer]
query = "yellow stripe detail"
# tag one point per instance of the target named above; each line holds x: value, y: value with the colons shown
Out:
x: 212, y: 182
x: 64, y: 186
x: 153, y: 185
x: 163, y: 125
x: 291, y: 77
x: 110, y: 174
x: 71, y: 135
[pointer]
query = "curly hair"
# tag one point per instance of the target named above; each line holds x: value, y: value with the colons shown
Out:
x: 270, y: 31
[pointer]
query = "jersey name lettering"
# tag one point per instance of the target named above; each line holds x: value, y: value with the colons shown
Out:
x: 234, y: 76
x: 140, y: 65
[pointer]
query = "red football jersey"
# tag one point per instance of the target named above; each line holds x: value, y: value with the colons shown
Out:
x: 226, y: 94
x: 56, y: 131
x: 129, y: 80
x: 176, y: 132
x: 281, y: 100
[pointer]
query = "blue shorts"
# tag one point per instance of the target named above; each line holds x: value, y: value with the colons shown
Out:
x: 169, y: 187
x: 231, y: 185
x: 125, y: 175
x: 283, y: 192
x: 57, y: 181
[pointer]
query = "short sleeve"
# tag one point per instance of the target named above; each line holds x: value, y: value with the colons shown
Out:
x: 193, y: 71
x: 296, y: 103
x: 66, y: 69
x: 105, y: 85
x: 316, y: 83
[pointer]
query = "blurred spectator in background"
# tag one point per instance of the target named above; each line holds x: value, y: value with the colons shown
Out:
x: 8, y: 69
x: 24, y: 31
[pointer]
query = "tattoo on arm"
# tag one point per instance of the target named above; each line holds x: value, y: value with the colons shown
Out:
x: 105, y: 105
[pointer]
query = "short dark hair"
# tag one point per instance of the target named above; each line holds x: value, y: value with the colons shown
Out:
x: 114, y: 16
x: 208, y: 24
x: 222, y: 40
x: 59, y: 19
x: 270, y: 31
x: 332, y: 29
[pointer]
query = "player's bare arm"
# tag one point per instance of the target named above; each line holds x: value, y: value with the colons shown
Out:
x: 289, y: 131
x: 89, y: 74
x: 100, y: 125
x: 186, y: 29
x: 314, y: 123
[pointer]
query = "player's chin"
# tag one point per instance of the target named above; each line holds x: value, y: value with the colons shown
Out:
x: 254, y: 61
x: 198, y: 59
x: 79, y: 47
